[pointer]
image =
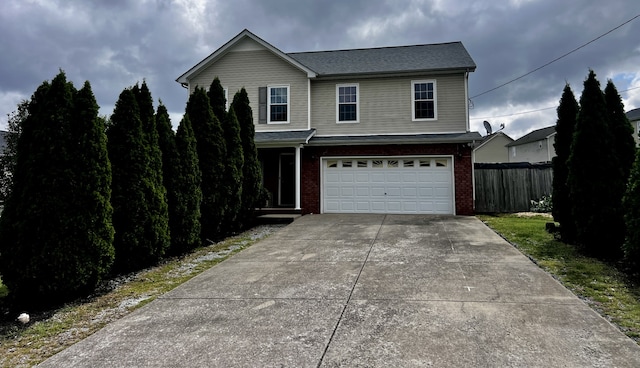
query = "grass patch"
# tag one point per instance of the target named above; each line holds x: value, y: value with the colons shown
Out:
x: 606, y: 289
x: 52, y: 331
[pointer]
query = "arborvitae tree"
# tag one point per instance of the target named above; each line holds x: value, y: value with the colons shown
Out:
x: 631, y: 206
x: 625, y: 145
x: 56, y: 235
x: 156, y: 192
x: 211, y: 155
x: 567, y: 114
x: 593, y: 168
x: 217, y: 99
x: 251, y: 170
x: 624, y: 148
x: 8, y: 157
x: 186, y: 235
x: 234, y: 167
x: 140, y: 235
x: 167, y: 145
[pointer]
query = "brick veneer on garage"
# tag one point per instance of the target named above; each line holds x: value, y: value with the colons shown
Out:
x: 310, y: 196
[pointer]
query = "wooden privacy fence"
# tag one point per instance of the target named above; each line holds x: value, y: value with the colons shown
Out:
x: 510, y: 187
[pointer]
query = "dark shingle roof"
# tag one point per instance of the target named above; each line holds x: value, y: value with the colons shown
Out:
x: 434, y: 57
x: 634, y: 114
x: 286, y: 137
x: 536, y: 135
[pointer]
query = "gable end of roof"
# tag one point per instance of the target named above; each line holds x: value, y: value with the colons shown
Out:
x: 222, y: 50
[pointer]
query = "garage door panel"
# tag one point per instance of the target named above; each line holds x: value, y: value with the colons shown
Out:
x: 388, y: 185
x: 362, y: 192
x: 363, y: 206
x: 346, y: 191
x: 377, y: 192
x: 378, y: 206
x: 394, y: 177
x: 362, y: 177
x: 378, y: 177
x: 394, y: 191
x: 347, y: 177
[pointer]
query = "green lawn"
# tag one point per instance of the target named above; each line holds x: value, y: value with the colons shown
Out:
x: 601, y: 285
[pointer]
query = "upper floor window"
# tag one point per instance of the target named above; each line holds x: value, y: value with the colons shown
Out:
x: 423, y: 100
x: 347, y: 103
x: 278, y: 104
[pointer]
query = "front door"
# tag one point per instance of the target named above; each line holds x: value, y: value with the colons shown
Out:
x: 286, y: 189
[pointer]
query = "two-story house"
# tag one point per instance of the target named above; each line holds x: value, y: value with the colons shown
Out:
x: 634, y: 119
x: 379, y: 130
x: 536, y: 146
x: 492, y: 148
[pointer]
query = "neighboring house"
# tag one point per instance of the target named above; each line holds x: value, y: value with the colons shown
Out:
x: 634, y: 118
x: 492, y: 148
x: 380, y: 130
x: 536, y: 146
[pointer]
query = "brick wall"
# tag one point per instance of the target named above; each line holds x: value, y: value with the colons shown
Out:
x: 310, y: 181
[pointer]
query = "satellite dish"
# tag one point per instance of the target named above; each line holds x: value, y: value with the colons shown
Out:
x: 501, y: 126
x: 487, y: 126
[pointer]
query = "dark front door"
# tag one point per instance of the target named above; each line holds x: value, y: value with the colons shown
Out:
x: 287, y: 180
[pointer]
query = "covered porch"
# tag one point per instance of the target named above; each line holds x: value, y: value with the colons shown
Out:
x: 280, y: 156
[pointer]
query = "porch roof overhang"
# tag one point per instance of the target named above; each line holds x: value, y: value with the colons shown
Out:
x: 283, y: 139
x: 451, y: 138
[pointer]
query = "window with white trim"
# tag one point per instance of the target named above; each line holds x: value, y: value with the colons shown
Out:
x: 278, y: 101
x: 347, y: 109
x: 423, y: 100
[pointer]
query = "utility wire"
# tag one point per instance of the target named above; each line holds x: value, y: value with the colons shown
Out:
x: 556, y: 59
x: 537, y: 110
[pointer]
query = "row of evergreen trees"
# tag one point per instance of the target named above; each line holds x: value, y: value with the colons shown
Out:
x: 86, y: 197
x: 595, y: 152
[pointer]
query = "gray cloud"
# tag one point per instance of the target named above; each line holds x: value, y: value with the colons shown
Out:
x: 115, y: 44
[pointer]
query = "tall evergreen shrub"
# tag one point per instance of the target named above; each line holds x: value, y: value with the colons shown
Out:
x: 593, y: 171
x: 55, y: 231
x: 217, y: 100
x: 631, y: 206
x: 565, y: 125
x: 187, y: 229
x: 141, y: 234
x: 252, y: 190
x: 211, y: 156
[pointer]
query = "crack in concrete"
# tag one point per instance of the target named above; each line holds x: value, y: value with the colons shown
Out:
x: 353, y: 287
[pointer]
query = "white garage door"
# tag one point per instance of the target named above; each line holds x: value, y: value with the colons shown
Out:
x: 388, y: 185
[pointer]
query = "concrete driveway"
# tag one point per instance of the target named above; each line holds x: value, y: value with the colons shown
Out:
x: 364, y: 291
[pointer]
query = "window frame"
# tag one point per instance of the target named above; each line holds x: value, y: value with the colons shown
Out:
x: 357, y: 103
x: 288, y: 104
x: 434, y: 99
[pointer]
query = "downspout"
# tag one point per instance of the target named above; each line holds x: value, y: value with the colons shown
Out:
x: 473, y: 173
x: 297, y: 177
x: 466, y: 98
x: 308, y: 103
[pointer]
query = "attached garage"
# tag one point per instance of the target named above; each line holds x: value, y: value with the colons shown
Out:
x: 396, y: 184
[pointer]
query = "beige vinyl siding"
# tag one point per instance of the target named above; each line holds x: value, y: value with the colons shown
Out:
x: 385, y: 106
x: 495, y: 150
x: 259, y: 68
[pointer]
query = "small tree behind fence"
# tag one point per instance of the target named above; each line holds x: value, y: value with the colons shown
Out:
x: 510, y: 187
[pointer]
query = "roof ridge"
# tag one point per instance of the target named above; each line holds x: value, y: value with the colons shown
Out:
x: 373, y: 48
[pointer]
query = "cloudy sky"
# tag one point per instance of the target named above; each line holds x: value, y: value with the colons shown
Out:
x: 116, y: 43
